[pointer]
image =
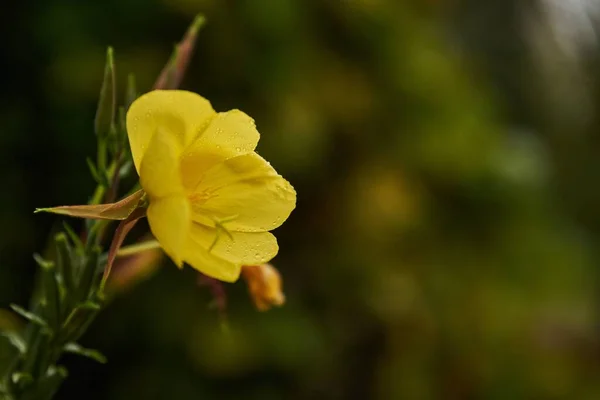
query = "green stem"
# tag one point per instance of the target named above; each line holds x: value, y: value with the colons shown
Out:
x: 101, y: 188
x: 130, y: 250
x: 133, y: 249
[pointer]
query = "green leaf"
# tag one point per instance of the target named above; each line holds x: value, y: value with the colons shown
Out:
x: 21, y: 378
x: 131, y: 92
x: 4, y: 393
x: 78, y: 321
x: 113, y: 211
x: 93, y: 170
x: 38, y: 353
x: 101, y: 160
x: 48, y: 385
x: 120, y: 141
x: 88, y: 273
x: 64, y: 262
x: 75, y: 348
x: 75, y: 239
x: 36, y: 319
x: 51, y: 291
x: 105, y: 114
x: 15, y: 340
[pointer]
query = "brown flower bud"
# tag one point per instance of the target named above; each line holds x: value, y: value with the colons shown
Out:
x: 264, y: 284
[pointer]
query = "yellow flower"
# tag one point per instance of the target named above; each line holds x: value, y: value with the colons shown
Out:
x: 212, y: 199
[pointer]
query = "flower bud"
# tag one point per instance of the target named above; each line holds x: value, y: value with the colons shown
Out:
x: 264, y: 284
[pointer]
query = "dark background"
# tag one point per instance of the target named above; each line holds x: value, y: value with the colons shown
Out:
x: 446, y: 158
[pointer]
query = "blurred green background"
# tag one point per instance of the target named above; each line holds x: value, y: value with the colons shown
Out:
x: 445, y: 154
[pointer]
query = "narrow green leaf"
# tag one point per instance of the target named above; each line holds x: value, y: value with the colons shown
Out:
x: 121, y: 135
x: 48, y: 385
x: 75, y: 348
x: 88, y: 274
x: 101, y: 159
x: 4, y: 392
x: 36, y: 319
x: 93, y: 170
x: 37, y: 353
x: 65, y: 264
x: 131, y: 92
x: 137, y: 248
x: 114, y: 140
x: 15, y: 340
x: 21, y: 378
x: 75, y: 239
x: 51, y: 292
x: 105, y: 114
x: 6, y: 382
x: 78, y: 321
x: 104, y: 123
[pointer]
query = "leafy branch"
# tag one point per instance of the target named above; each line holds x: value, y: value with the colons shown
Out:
x: 73, y: 278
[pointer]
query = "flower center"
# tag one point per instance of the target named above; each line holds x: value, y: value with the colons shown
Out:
x: 199, y: 197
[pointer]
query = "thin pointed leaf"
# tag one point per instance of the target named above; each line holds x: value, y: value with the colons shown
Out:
x: 78, y: 313
x: 101, y: 160
x: 73, y: 236
x: 36, y: 319
x: 88, y: 274
x: 78, y: 321
x: 37, y: 353
x: 105, y: 114
x: 21, y: 378
x: 48, y: 385
x: 173, y: 72
x: 75, y: 348
x: 112, y: 211
x: 51, y: 291
x: 93, y: 170
x: 64, y: 262
x: 15, y: 340
x: 131, y: 92
x: 121, y: 137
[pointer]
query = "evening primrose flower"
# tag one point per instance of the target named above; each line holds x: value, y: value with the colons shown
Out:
x: 212, y: 199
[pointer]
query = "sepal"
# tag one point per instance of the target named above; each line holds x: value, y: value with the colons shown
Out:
x: 111, y: 211
x: 173, y: 72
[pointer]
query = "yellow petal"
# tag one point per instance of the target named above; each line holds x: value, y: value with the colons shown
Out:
x: 229, y: 134
x: 159, y: 172
x: 180, y: 113
x: 169, y: 219
x: 247, y: 192
x: 237, y: 247
x: 198, y: 257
